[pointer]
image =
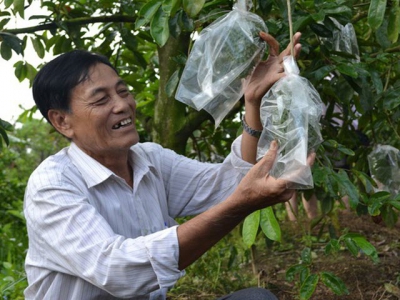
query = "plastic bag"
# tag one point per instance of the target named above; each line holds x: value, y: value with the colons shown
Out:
x: 290, y: 113
x: 345, y: 40
x: 384, y: 166
x: 224, y: 54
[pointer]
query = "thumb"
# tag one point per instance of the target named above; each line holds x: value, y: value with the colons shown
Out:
x: 267, y: 162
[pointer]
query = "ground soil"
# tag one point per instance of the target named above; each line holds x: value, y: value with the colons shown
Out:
x: 364, y: 279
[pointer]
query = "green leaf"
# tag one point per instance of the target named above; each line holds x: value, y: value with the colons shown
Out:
x: 171, y: 6
x: 5, y: 51
x: 301, y: 23
x: 308, y: 287
x: 376, y: 13
x: 193, y: 7
x: 380, y: 196
x: 129, y: 40
x: 30, y: 72
x: 377, y: 81
x: 345, y: 150
x: 12, y: 41
x: 174, y: 25
x: 366, y: 247
x: 389, y: 216
x: 351, y: 246
x: 269, y: 224
x: 19, y: 7
x: 334, y: 283
x: 5, y: 125
x: 293, y: 270
x: 147, y: 12
x: 318, y: 16
x: 8, y: 3
x: 391, y: 98
x: 395, y: 204
x: 159, y: 27
x: 365, y: 179
x: 348, y: 187
x: 394, y: 22
x: 332, y: 246
x: 306, y: 256
x: 38, y: 46
x: 340, y: 10
x: 250, y: 228
x: 7, y: 265
x: 185, y: 22
x: 304, y: 275
x: 374, y: 209
x: 347, y: 70
x: 172, y: 83
x: 3, y: 133
x: 20, y: 70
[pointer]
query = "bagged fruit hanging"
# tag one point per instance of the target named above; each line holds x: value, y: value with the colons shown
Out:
x: 290, y: 113
x: 384, y: 166
x: 223, y: 56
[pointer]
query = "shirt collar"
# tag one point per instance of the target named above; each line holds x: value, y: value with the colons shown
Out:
x: 95, y: 173
x: 92, y: 171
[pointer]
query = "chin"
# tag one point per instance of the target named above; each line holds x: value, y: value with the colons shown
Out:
x: 134, y: 140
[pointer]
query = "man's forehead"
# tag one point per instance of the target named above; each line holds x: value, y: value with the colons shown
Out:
x: 99, y: 77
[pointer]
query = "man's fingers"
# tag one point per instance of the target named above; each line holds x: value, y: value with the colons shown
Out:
x: 297, y: 46
x: 272, y: 43
x: 269, y: 158
x: 311, y: 159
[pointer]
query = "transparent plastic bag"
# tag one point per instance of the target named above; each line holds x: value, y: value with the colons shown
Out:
x: 384, y: 166
x: 290, y: 113
x: 345, y: 40
x: 223, y: 56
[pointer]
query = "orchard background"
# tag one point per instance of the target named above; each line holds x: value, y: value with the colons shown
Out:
x: 149, y: 42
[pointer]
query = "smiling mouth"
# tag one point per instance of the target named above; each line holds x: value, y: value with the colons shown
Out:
x: 123, y: 123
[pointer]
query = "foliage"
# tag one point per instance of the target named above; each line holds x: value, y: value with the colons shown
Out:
x: 307, y: 281
x: 29, y: 145
x: 4, y: 126
x: 220, y: 271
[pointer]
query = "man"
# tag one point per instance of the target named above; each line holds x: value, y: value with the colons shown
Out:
x: 100, y: 213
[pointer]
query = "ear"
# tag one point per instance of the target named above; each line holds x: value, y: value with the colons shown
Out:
x: 61, y: 122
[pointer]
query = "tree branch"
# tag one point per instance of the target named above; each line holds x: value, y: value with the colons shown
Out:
x: 73, y: 22
x: 388, y: 50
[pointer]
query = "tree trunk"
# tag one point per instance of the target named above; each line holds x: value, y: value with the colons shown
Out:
x: 169, y: 113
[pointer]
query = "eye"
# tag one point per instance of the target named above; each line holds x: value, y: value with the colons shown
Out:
x: 124, y: 92
x: 102, y: 100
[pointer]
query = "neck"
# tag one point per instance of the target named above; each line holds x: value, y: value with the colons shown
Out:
x: 125, y: 172
x: 117, y: 163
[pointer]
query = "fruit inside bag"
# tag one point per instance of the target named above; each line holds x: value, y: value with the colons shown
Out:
x: 223, y: 56
x: 344, y: 40
x: 290, y: 113
x: 384, y: 166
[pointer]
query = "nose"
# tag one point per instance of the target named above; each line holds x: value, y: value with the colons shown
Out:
x: 123, y: 104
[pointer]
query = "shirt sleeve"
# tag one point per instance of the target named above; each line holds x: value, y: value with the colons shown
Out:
x: 68, y: 235
x: 193, y: 186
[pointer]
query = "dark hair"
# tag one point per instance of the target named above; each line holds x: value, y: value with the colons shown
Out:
x: 53, y: 84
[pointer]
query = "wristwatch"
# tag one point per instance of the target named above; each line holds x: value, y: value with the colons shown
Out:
x: 249, y: 130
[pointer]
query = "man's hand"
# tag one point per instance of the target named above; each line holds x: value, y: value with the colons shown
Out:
x: 258, y: 189
x: 271, y: 70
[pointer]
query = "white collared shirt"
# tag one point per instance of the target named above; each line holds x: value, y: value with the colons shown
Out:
x: 91, y: 236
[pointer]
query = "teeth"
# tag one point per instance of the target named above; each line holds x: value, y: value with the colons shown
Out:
x: 123, y: 123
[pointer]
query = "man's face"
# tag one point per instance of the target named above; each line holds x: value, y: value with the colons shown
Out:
x: 102, y: 117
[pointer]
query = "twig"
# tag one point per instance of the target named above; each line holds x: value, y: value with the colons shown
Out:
x: 290, y: 27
